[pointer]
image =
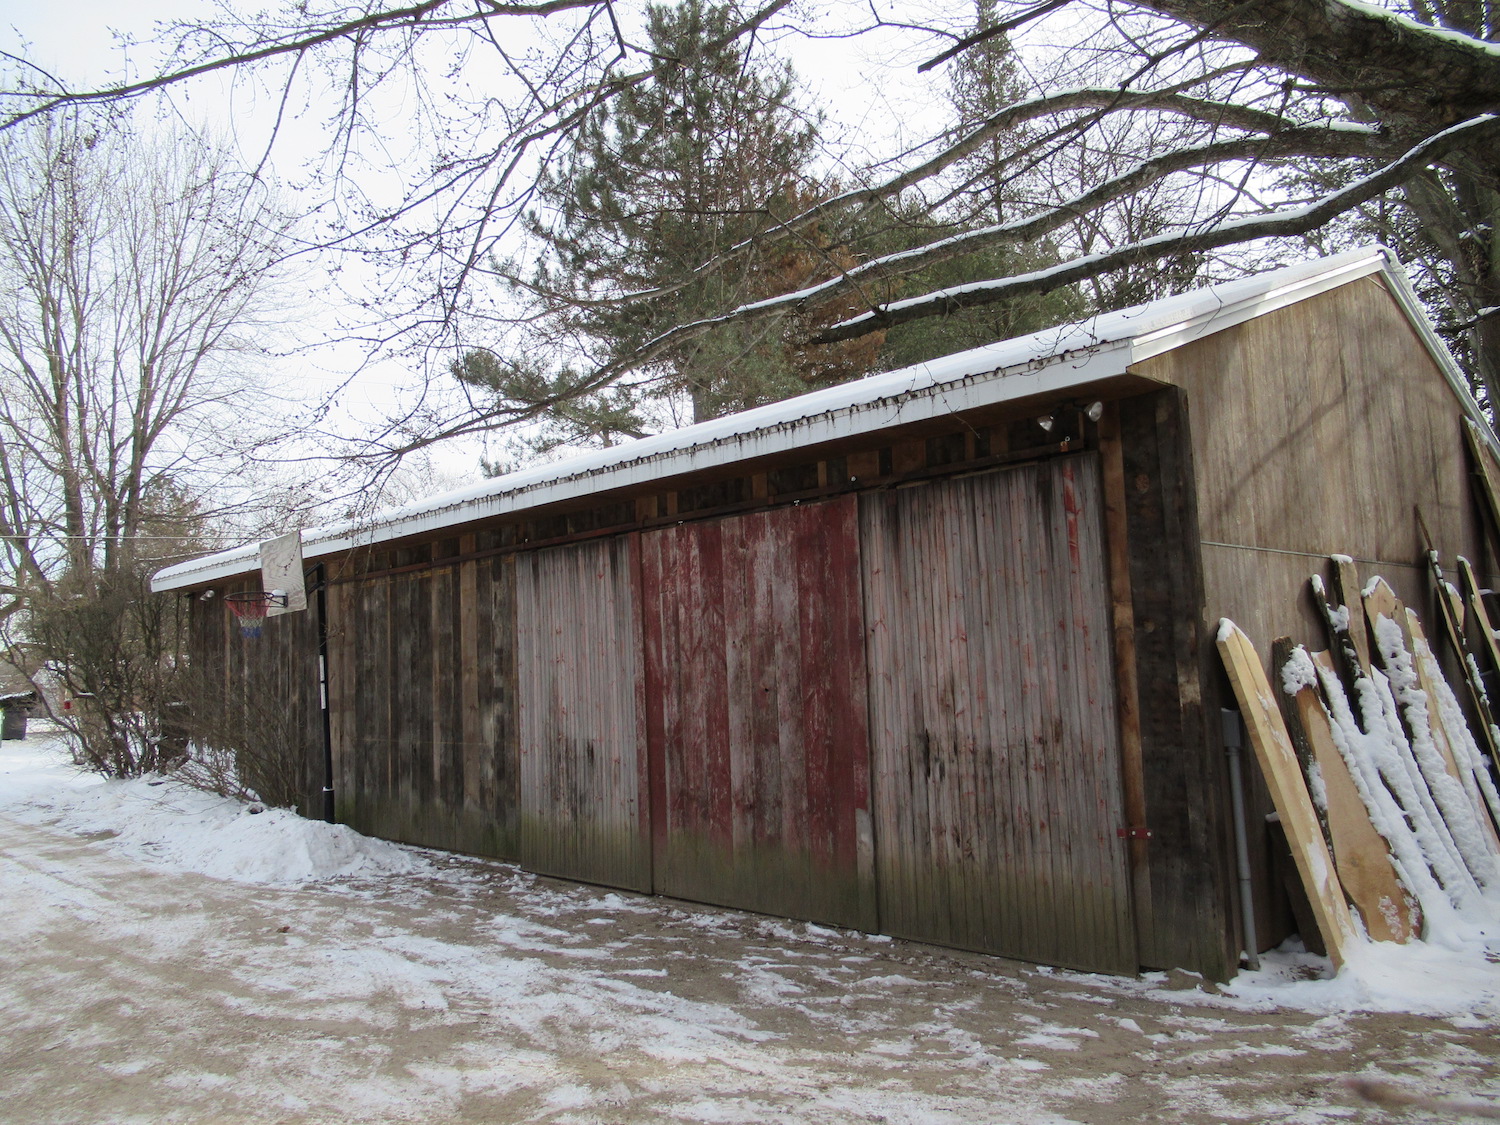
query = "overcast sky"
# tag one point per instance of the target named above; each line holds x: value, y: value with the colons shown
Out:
x: 79, y: 42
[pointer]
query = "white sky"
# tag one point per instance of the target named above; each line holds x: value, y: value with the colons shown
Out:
x: 870, y: 94
x: 80, y: 42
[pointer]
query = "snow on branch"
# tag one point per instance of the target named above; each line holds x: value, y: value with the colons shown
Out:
x: 1284, y: 223
x: 1288, y: 222
x: 1277, y: 136
x: 1446, y: 35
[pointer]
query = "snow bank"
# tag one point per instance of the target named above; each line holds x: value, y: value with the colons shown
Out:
x: 1424, y: 978
x: 162, y: 821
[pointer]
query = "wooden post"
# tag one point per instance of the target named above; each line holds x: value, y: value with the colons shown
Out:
x: 1127, y: 687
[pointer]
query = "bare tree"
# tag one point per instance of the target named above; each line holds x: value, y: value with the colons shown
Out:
x: 1212, y: 125
x: 133, y: 277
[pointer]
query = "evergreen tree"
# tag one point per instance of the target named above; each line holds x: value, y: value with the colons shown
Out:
x: 983, y: 82
x: 709, y: 153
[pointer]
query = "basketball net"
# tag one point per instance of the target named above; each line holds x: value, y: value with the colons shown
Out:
x: 250, y: 609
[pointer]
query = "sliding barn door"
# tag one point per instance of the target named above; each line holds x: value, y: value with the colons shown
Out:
x: 581, y: 750
x: 756, y: 712
x: 993, y: 724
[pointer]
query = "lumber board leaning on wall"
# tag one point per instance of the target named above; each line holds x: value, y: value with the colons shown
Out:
x: 1278, y: 762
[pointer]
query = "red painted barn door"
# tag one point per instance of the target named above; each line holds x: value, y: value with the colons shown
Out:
x: 993, y: 716
x: 756, y: 713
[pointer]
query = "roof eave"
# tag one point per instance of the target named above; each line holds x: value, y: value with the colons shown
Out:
x: 1040, y: 374
x: 1050, y: 376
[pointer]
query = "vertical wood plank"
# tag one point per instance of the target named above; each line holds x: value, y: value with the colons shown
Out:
x: 474, y: 749
x: 997, y: 787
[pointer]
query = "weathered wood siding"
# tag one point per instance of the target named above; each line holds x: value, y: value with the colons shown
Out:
x: 581, y: 738
x: 269, y: 681
x: 757, y: 713
x: 422, y: 671
x: 993, y: 718
x: 1319, y: 428
x: 1315, y: 429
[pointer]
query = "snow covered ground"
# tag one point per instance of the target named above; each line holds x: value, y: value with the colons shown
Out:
x: 167, y: 956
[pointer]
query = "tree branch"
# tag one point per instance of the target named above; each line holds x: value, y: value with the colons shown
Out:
x: 990, y: 33
x: 1293, y: 221
x: 414, y: 16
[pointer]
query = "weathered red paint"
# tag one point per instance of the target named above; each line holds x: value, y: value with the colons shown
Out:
x: 755, y: 712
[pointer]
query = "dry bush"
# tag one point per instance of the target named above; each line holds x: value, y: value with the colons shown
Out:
x: 243, y: 741
x: 113, y: 648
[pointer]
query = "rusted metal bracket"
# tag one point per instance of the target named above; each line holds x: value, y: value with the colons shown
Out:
x: 1133, y: 833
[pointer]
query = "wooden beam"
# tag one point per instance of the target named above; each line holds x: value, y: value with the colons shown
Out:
x: 1278, y: 761
x: 1359, y: 852
x: 1486, y: 483
x: 1127, y: 685
x: 1474, y: 599
x: 1429, y: 673
x: 1349, y: 592
x: 1450, y: 608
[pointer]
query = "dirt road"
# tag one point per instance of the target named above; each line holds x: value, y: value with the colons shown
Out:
x: 480, y: 994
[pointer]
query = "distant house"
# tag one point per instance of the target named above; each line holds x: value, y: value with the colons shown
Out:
x: 18, y: 702
x: 928, y: 654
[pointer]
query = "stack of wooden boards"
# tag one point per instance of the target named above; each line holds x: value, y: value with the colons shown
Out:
x: 1386, y: 796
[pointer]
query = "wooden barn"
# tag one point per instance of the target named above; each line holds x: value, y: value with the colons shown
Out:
x: 929, y: 654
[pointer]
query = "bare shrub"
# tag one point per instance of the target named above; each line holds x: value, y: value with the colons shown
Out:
x: 243, y: 740
x: 113, y: 648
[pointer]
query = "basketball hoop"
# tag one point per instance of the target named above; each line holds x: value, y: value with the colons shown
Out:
x: 250, y: 607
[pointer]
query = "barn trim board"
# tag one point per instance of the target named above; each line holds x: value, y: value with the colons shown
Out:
x: 890, y: 655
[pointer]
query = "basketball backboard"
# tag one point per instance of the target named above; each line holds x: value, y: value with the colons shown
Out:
x: 281, y: 572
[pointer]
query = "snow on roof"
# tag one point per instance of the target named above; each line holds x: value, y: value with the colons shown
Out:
x: 1050, y: 361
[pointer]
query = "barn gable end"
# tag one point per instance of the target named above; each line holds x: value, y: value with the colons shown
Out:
x: 1319, y: 428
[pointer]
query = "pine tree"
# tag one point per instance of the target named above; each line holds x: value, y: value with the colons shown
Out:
x: 709, y: 153
x: 983, y: 82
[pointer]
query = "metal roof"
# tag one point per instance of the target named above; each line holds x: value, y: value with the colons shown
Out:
x: 1044, y: 362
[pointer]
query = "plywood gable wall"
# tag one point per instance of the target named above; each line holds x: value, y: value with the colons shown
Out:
x: 1319, y: 428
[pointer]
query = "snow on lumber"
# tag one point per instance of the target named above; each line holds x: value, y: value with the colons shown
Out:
x: 164, y: 822
x: 1273, y: 748
x: 1398, y: 739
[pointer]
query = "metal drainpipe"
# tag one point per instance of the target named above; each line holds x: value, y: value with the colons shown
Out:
x: 1234, y: 742
x: 321, y: 586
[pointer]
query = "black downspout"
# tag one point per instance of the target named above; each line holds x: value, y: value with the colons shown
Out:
x: 321, y: 586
